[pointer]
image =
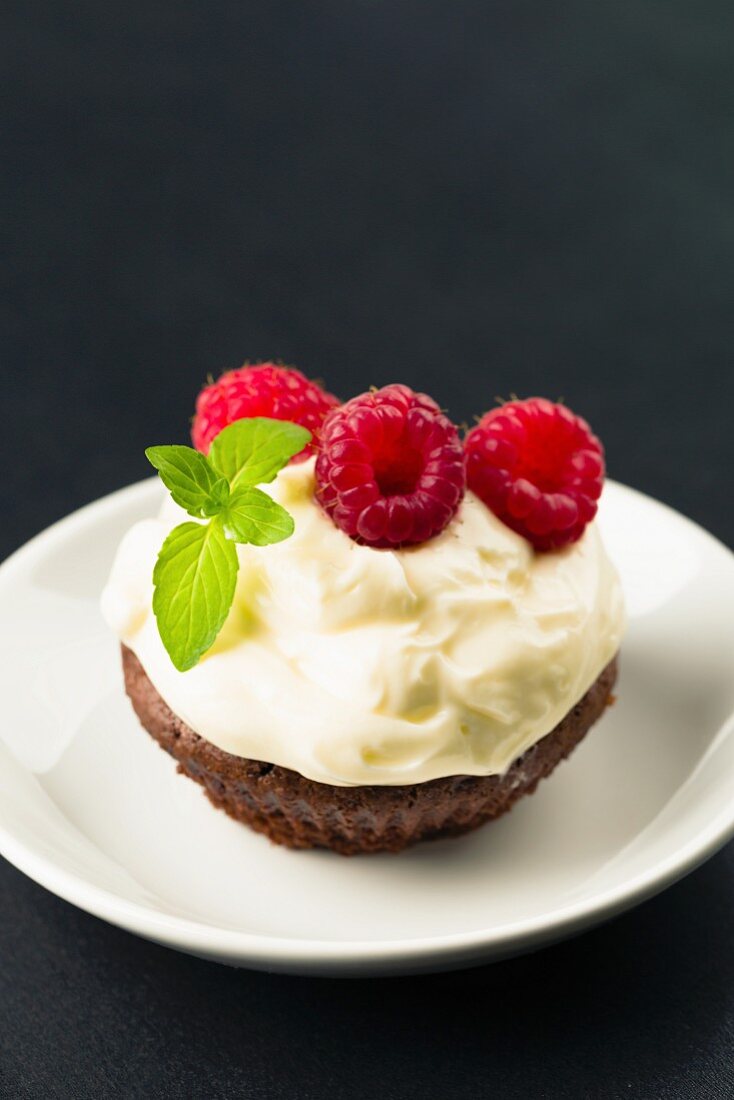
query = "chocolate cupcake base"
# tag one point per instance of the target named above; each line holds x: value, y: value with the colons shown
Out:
x: 301, y: 813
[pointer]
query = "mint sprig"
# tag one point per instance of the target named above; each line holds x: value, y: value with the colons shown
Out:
x: 196, y: 571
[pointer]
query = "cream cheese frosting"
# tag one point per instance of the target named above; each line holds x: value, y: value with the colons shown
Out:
x: 358, y: 666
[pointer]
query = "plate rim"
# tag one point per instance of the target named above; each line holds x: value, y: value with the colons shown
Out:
x: 352, y: 957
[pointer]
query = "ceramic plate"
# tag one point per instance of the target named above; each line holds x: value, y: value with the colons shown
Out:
x: 93, y: 810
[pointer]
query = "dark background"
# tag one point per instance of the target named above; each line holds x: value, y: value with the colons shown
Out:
x: 473, y: 198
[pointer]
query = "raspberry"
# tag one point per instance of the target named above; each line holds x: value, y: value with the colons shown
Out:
x: 282, y: 393
x: 539, y: 468
x: 390, y: 471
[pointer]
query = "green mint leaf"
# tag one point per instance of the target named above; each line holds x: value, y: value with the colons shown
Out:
x: 252, y: 451
x: 253, y: 516
x: 191, y: 479
x: 194, y: 579
x: 196, y: 571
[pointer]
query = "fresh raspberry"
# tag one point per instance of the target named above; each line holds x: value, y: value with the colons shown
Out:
x: 539, y: 468
x: 282, y: 393
x: 390, y: 471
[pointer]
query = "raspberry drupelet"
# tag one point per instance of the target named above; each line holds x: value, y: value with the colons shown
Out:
x: 390, y: 471
x: 539, y: 468
x: 266, y: 389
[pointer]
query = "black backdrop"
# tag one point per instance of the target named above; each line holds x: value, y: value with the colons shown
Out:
x: 476, y: 199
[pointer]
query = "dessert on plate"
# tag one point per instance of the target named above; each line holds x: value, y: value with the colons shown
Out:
x: 355, y: 628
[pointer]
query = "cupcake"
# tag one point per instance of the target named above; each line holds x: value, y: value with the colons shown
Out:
x: 357, y: 631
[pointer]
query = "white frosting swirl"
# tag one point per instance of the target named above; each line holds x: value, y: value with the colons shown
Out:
x: 359, y: 666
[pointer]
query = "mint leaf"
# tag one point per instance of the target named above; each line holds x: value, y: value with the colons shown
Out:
x: 253, y: 516
x: 196, y: 571
x: 252, y: 451
x: 191, y: 479
x: 194, y: 579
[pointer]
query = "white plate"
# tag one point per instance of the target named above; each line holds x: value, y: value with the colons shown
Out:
x: 92, y: 809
